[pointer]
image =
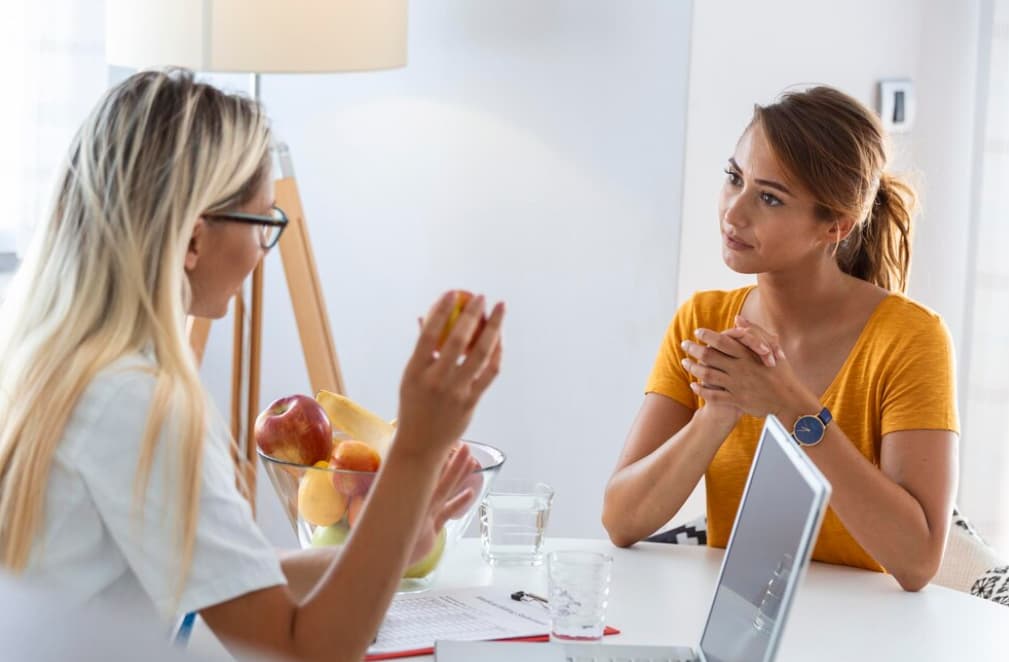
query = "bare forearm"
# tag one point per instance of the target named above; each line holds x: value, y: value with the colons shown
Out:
x: 645, y: 494
x: 883, y: 517
x: 304, y: 568
x: 899, y: 511
x: 360, y: 584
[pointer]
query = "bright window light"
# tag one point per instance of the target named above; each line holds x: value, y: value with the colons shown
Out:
x: 13, y: 115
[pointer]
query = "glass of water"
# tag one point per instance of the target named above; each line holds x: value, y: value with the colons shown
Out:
x: 579, y: 591
x: 513, y: 517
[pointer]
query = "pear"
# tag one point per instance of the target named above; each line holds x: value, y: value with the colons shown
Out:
x: 319, y: 502
x: 327, y: 536
x: 426, y: 565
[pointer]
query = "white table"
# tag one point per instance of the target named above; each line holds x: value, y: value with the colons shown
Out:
x: 661, y: 593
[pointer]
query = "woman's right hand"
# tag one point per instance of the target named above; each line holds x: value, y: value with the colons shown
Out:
x: 720, y: 416
x: 440, y: 389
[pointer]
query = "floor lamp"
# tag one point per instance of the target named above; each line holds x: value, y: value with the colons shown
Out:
x: 260, y: 37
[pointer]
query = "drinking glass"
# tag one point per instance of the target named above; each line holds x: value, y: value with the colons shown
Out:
x: 579, y: 591
x: 513, y: 518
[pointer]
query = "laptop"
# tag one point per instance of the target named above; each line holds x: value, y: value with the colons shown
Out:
x: 772, y: 538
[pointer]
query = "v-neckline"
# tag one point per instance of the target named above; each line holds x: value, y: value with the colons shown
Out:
x: 859, y: 341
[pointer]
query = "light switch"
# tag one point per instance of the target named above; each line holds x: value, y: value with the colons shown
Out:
x: 896, y: 104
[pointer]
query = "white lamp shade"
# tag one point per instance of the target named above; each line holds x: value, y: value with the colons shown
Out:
x: 261, y: 36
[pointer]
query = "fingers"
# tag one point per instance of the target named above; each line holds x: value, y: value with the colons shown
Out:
x: 453, y: 361
x: 712, y: 396
x: 718, y: 345
x: 451, y: 506
x: 490, y: 371
x: 452, y: 474
x: 764, y: 344
x: 486, y: 345
x: 748, y: 339
x: 708, y: 376
x: 431, y: 326
x: 769, y: 339
x: 461, y: 334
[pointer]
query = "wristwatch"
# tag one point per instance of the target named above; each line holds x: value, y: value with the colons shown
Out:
x: 809, y: 429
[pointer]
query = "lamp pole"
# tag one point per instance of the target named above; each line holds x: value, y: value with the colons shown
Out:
x: 246, y: 357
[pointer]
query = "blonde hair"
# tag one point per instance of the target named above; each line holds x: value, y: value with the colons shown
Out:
x: 836, y: 148
x: 104, y: 278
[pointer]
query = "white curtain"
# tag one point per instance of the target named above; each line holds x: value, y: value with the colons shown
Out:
x: 984, y: 488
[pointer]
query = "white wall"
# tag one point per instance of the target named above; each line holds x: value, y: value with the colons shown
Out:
x: 531, y: 150
x: 745, y: 52
x: 944, y: 149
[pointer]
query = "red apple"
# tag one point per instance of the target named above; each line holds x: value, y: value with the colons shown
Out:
x: 295, y: 429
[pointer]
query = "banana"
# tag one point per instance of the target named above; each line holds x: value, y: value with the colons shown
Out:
x: 356, y: 421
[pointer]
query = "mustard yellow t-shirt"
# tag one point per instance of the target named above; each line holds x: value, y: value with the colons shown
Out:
x: 899, y: 376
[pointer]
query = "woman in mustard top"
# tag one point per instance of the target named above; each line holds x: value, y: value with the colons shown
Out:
x: 825, y: 335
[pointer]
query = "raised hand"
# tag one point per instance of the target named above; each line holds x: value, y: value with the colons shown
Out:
x: 441, y: 388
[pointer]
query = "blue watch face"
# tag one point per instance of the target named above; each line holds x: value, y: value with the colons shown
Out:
x: 809, y: 430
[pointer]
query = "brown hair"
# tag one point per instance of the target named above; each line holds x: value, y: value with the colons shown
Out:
x: 835, y: 147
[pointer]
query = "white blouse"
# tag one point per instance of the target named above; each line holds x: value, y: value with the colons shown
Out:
x: 97, y: 546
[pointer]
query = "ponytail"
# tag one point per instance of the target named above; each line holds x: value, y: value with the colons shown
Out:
x: 878, y: 250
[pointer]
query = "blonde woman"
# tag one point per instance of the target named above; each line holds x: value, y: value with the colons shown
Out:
x: 115, y: 478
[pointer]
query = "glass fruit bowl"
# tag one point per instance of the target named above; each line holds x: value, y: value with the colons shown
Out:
x: 324, y: 503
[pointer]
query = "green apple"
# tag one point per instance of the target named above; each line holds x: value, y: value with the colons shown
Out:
x: 426, y: 565
x: 327, y: 536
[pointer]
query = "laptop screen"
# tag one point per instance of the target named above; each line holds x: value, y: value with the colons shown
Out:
x: 769, y: 549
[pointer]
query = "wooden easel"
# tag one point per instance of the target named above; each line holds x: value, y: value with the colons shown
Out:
x: 310, y: 315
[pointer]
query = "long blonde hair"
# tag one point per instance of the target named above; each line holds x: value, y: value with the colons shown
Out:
x: 104, y: 278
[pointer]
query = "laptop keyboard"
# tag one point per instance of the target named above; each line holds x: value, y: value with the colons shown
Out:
x: 607, y: 658
x: 604, y: 653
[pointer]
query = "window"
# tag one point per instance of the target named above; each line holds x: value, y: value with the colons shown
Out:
x: 984, y: 486
x: 13, y: 49
x: 57, y: 73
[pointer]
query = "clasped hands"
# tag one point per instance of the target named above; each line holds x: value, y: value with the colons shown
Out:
x: 743, y: 369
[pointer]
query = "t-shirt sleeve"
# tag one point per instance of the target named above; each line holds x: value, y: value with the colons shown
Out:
x: 231, y: 556
x: 668, y: 377
x: 919, y: 391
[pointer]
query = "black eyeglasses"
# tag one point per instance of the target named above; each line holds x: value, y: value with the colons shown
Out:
x: 272, y: 226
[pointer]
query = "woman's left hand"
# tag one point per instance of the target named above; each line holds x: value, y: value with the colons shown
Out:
x: 763, y: 343
x: 730, y: 372
x: 453, y: 493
